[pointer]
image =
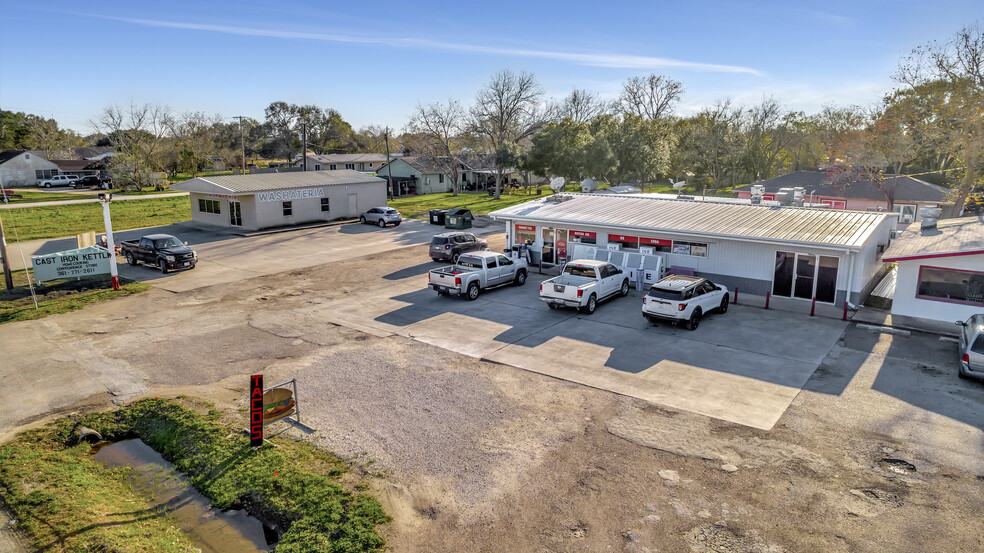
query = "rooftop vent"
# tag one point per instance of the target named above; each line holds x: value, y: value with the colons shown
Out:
x: 758, y: 191
x: 930, y: 215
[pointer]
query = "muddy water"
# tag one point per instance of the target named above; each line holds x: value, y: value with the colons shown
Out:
x: 210, y: 529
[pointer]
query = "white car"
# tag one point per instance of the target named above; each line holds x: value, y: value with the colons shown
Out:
x: 59, y: 180
x: 680, y: 298
x: 381, y: 216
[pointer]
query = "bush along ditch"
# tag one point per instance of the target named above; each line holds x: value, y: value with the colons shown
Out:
x: 63, y: 499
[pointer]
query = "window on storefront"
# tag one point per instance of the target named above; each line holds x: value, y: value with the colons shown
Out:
x: 208, y: 206
x: 583, y: 237
x: 525, y: 234
x: 696, y: 249
x: 325, y: 206
x: 657, y: 244
x: 805, y: 276
x: 288, y: 209
x: 951, y: 285
x: 627, y: 242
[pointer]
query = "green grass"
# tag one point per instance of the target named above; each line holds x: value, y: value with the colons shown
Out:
x: 58, y: 296
x: 30, y: 196
x: 180, y: 177
x: 61, y: 496
x: 56, y: 221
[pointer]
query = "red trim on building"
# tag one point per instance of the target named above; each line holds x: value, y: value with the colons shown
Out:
x: 655, y: 242
x: 525, y: 228
x: 583, y: 234
x: 932, y: 256
x: 622, y: 238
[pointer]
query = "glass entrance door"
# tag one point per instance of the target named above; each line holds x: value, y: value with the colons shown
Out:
x: 806, y: 268
x: 235, y: 214
x: 800, y: 275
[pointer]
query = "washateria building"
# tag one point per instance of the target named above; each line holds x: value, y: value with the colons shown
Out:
x: 253, y: 202
x: 787, y: 252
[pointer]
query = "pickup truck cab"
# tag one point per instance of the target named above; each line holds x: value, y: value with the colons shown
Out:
x: 681, y: 298
x: 59, y: 180
x: 475, y: 272
x: 583, y: 284
x: 162, y: 250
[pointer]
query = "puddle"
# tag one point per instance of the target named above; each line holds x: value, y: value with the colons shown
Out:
x: 897, y: 466
x: 211, y: 530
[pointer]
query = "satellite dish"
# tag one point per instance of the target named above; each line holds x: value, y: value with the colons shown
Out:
x: 557, y: 184
x: 679, y: 185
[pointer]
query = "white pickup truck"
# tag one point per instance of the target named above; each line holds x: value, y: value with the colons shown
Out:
x: 475, y: 272
x: 583, y: 284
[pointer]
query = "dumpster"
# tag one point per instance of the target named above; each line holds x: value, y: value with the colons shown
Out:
x: 437, y: 216
x: 458, y: 218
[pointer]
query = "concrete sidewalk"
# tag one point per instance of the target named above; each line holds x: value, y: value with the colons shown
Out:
x: 116, y: 198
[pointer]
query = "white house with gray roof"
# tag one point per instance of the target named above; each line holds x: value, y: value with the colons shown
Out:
x: 253, y: 202
x: 793, y: 254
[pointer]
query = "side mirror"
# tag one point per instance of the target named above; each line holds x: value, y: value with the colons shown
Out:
x: 960, y: 323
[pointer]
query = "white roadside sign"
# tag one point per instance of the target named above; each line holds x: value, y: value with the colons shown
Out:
x: 93, y: 260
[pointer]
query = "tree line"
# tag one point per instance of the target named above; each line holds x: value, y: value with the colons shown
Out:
x: 929, y: 125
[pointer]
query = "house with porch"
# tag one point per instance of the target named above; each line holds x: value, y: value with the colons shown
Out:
x: 429, y: 175
x: 910, y: 194
x: 367, y: 163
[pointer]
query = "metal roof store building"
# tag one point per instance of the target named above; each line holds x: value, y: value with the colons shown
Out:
x: 789, y: 252
x: 253, y: 202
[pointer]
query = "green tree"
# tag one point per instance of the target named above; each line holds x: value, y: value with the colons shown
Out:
x: 559, y: 149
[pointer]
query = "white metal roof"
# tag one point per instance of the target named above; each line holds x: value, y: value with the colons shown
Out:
x: 246, y: 184
x: 822, y: 227
x: 951, y: 237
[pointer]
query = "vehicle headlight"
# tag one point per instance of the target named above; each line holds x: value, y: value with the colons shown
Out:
x: 194, y: 255
x: 169, y: 257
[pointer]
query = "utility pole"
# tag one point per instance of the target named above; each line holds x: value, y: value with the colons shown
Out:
x: 389, y: 171
x: 8, y: 279
x: 242, y: 142
x: 304, y: 143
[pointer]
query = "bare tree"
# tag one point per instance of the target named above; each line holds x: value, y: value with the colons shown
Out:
x: 770, y: 134
x: 581, y: 106
x: 651, y: 97
x: 437, y: 131
x: 960, y: 57
x: 507, y: 111
x: 137, y: 130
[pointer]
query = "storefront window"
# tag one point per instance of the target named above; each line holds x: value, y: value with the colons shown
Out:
x: 524, y: 234
x: 695, y: 249
x: 657, y: 244
x: 627, y: 242
x: 949, y: 285
x: 583, y: 237
x: 805, y: 276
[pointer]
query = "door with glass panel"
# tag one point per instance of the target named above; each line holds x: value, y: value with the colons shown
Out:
x: 235, y: 214
x: 805, y: 276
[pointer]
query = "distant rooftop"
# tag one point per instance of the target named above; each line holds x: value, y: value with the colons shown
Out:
x: 951, y: 237
x: 906, y: 188
x: 226, y: 184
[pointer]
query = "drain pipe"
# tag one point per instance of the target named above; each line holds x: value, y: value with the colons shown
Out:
x: 850, y: 281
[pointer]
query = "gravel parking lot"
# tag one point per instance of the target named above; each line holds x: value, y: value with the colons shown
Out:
x: 878, y: 451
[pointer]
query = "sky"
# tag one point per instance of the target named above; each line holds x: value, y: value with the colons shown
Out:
x: 375, y: 62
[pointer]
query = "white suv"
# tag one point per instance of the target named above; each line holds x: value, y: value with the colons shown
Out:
x: 59, y: 180
x: 679, y: 298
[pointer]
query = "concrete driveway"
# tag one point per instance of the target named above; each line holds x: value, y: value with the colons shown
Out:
x: 745, y: 366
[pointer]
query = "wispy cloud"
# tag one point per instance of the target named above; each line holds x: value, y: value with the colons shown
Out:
x: 626, y: 61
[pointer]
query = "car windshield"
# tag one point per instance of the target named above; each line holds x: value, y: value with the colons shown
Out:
x: 169, y: 242
x: 578, y: 270
x: 665, y: 294
x: 468, y: 261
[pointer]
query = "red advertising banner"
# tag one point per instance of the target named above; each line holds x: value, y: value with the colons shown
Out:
x: 582, y: 234
x: 622, y: 238
x: 256, y: 410
x: 525, y: 227
x: 655, y: 242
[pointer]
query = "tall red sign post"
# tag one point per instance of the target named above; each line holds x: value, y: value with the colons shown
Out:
x: 256, y: 410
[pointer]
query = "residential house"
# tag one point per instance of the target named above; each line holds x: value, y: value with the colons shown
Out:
x: 427, y: 175
x: 367, y: 163
x: 80, y: 167
x: 911, y: 194
x: 24, y: 168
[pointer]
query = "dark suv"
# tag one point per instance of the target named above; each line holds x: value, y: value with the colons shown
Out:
x: 447, y: 246
x: 93, y: 180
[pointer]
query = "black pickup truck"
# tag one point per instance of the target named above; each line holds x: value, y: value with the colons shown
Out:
x: 163, y: 250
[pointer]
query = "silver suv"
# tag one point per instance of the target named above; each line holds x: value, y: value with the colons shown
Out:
x: 381, y: 216
x: 59, y: 180
x: 972, y: 347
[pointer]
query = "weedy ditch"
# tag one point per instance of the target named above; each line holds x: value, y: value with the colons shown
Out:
x: 64, y: 498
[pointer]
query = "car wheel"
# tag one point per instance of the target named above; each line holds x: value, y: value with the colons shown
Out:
x: 724, y: 304
x: 520, y: 278
x: 454, y: 258
x: 130, y: 260
x: 381, y: 223
x: 473, y: 291
x: 47, y: 185
x: 397, y: 224
x: 694, y: 321
x: 591, y: 305
x: 362, y: 219
x: 163, y: 266
x: 625, y: 288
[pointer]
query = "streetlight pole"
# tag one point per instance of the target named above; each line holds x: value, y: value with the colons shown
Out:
x: 104, y: 199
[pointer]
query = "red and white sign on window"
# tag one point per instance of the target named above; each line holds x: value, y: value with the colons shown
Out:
x: 655, y: 242
x: 582, y: 234
x: 525, y: 227
x: 622, y: 238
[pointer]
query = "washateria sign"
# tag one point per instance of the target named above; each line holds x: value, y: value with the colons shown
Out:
x: 288, y: 195
x: 93, y: 260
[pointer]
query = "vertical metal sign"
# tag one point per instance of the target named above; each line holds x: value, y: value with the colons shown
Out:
x: 256, y: 410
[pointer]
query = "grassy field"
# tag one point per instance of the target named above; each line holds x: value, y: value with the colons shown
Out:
x: 64, y: 500
x: 58, y: 296
x: 56, y: 221
x: 31, y: 196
